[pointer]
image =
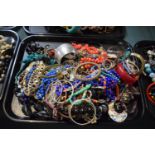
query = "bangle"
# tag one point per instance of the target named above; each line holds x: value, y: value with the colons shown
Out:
x: 91, y: 121
x: 150, y: 96
x: 108, y: 64
x: 50, y: 97
x: 79, y: 92
x: 63, y: 50
x: 89, y: 77
x: 131, y: 67
x: 128, y: 79
x: 139, y: 57
x: 72, y: 91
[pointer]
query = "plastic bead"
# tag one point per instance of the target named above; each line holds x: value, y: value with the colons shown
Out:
x: 147, y: 65
x: 148, y: 70
x: 152, y: 75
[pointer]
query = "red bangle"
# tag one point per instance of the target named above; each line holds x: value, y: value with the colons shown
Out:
x: 148, y: 93
x: 126, y: 78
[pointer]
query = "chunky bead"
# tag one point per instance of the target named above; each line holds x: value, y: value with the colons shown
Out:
x: 152, y: 75
x: 147, y: 65
x: 148, y: 70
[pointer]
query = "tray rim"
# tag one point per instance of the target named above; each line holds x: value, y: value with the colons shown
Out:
x: 9, y: 28
x: 122, y: 36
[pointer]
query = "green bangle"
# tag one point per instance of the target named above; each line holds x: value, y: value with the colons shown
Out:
x: 79, y: 92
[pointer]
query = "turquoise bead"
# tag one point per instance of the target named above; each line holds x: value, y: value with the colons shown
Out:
x: 147, y: 65
x: 148, y: 70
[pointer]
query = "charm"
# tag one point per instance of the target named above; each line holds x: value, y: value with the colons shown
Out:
x: 118, y: 115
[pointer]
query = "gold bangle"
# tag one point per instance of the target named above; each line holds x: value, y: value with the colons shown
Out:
x: 91, y: 121
x: 138, y: 56
x: 87, y: 79
x: 112, y: 64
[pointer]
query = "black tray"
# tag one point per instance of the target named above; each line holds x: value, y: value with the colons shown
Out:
x: 53, y: 39
x: 118, y: 33
x: 14, y: 35
x: 141, y: 48
x: 2, y: 28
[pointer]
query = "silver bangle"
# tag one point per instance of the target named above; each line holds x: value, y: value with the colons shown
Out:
x: 64, y: 50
